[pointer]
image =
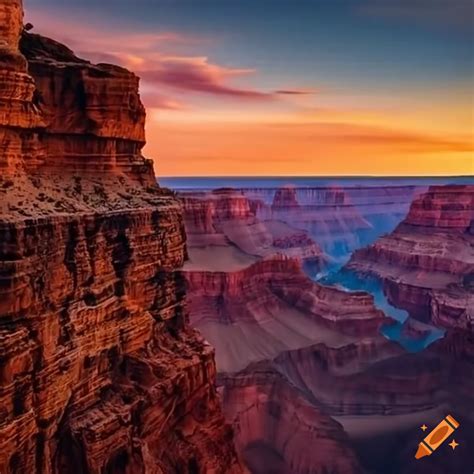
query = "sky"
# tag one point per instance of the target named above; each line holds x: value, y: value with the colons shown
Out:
x: 288, y: 87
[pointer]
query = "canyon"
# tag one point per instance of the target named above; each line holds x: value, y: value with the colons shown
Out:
x: 427, y: 263
x: 291, y: 350
x: 222, y: 224
x: 100, y: 371
x: 213, y: 330
x: 339, y: 218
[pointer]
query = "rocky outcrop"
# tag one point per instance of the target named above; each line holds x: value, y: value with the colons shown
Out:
x: 99, y: 370
x: 427, y: 263
x: 19, y: 115
x: 443, y: 208
x: 94, y: 116
x: 223, y: 221
x: 328, y: 216
x: 279, y: 430
x: 272, y: 306
x: 285, y: 198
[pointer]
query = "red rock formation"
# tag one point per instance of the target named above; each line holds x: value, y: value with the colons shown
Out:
x: 99, y: 370
x: 285, y: 198
x: 19, y: 116
x: 428, y: 261
x: 271, y: 306
x: 94, y: 116
x: 327, y: 215
x: 224, y: 218
x: 278, y: 430
x: 368, y: 377
x: 447, y: 208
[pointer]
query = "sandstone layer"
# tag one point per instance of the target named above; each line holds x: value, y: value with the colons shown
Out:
x: 271, y: 306
x: 99, y: 370
x: 223, y: 228
x: 427, y: 263
x: 278, y: 430
x: 339, y: 219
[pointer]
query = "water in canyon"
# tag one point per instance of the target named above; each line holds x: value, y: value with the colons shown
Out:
x: 412, y: 335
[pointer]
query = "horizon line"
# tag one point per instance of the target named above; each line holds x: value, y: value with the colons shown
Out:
x: 316, y: 176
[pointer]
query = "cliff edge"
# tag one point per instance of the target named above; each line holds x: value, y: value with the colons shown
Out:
x: 99, y: 370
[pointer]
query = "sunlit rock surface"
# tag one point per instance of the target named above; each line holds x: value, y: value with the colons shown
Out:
x: 99, y: 370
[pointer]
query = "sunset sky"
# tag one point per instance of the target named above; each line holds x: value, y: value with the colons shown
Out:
x: 273, y: 87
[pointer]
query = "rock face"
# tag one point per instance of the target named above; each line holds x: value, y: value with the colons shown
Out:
x: 329, y: 217
x: 427, y: 263
x: 271, y: 306
x: 94, y: 116
x: 19, y: 115
x: 222, y: 222
x: 99, y: 370
x: 280, y: 431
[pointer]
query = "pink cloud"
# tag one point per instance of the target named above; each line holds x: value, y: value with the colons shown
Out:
x: 159, y: 101
x: 144, y: 53
x: 197, y: 74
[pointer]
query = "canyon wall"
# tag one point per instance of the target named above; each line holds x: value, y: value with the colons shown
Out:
x: 272, y: 306
x: 222, y: 223
x: 427, y: 263
x: 279, y: 430
x: 339, y: 219
x: 99, y: 369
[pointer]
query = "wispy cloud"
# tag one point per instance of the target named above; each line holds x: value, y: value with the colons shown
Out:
x: 197, y: 74
x: 295, y: 91
x: 148, y: 54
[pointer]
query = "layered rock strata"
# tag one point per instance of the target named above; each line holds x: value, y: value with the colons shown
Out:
x: 94, y: 117
x: 271, y: 306
x: 99, y: 370
x: 279, y: 430
x: 427, y: 263
x: 20, y: 117
x: 223, y: 223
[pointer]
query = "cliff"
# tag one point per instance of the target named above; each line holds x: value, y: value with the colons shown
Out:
x: 428, y: 261
x: 279, y: 430
x: 223, y: 223
x: 99, y: 370
x: 94, y: 117
x: 272, y: 306
x: 19, y: 115
x: 339, y: 219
